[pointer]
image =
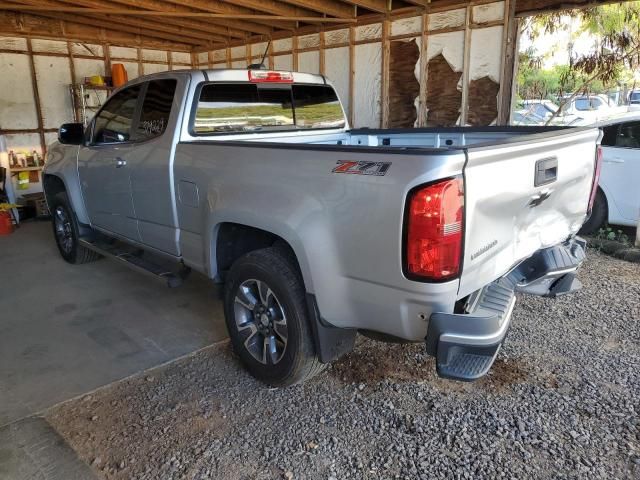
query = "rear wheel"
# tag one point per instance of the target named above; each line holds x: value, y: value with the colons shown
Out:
x: 599, y: 215
x: 66, y: 232
x: 266, y: 314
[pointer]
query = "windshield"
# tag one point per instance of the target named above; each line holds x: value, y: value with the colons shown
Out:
x: 246, y: 107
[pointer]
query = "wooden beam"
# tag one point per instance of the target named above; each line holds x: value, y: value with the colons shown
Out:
x: 32, y: 26
x: 379, y: 6
x: 124, y: 28
x: 155, y: 13
x: 276, y: 8
x: 193, y: 28
x: 217, y: 6
x: 419, y: 3
x: 334, y: 8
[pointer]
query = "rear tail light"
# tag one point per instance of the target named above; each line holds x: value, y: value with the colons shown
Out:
x: 596, y: 178
x: 433, y: 233
x: 265, y: 76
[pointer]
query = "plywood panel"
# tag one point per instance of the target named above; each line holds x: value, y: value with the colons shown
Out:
x: 406, y: 26
x: 282, y: 45
x: 283, y: 62
x: 181, y: 57
x: 239, y: 64
x: 367, y: 83
x: 238, y: 53
x: 123, y: 52
x: 16, y: 93
x: 203, y: 59
x: 154, y: 55
x: 49, y: 46
x: 335, y: 37
x: 80, y: 48
x: 404, y: 87
x: 309, y: 62
x: 337, y: 70
x: 369, y: 32
x: 220, y: 56
x: 309, y: 41
x: 148, y: 68
x: 490, y: 12
x: 13, y: 43
x: 53, y: 76
x: 449, y: 19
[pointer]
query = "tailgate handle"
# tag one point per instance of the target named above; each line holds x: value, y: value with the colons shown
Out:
x: 546, y: 171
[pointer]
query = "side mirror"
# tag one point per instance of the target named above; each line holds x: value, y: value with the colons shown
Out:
x: 71, y: 134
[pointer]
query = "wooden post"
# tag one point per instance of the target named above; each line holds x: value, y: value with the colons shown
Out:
x: 321, y: 53
x: 509, y: 63
x: 464, y: 109
x: 294, y: 52
x: 638, y: 234
x: 36, y: 97
x: 424, y: 45
x: 352, y: 72
x: 169, y: 60
x: 384, y: 81
x: 140, y: 69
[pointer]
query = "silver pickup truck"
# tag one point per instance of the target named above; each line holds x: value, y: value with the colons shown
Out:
x: 319, y: 232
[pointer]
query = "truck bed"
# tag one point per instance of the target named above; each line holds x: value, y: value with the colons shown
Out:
x: 288, y: 184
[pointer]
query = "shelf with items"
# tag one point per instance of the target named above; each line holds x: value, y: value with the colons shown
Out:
x: 26, y: 169
x: 86, y: 99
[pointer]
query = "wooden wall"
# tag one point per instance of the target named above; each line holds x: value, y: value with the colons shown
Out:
x: 442, y: 68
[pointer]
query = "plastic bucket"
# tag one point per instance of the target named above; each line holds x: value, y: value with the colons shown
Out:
x: 6, y: 225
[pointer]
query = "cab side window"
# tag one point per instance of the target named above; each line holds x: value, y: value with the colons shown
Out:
x: 156, y: 109
x: 113, y: 123
x: 609, y: 135
x: 628, y: 135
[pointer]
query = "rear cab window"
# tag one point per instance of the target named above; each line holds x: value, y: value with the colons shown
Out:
x: 248, y: 108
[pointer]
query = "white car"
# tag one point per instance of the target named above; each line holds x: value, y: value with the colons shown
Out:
x: 618, y: 198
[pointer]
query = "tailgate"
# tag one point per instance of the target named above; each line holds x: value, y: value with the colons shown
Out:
x: 528, y: 193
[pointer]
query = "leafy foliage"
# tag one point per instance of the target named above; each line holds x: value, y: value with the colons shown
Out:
x: 617, y: 51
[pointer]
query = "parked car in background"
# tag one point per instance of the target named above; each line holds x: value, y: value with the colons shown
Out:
x: 590, y: 108
x: 618, y: 197
x: 540, y: 111
x: 634, y: 101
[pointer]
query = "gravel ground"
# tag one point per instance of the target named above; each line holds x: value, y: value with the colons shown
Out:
x: 562, y: 401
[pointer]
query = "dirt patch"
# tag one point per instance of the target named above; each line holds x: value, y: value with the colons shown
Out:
x: 372, y: 362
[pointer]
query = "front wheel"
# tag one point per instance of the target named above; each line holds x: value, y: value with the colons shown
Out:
x: 267, y: 319
x: 66, y: 232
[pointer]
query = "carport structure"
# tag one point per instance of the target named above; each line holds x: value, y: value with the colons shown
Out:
x: 394, y: 63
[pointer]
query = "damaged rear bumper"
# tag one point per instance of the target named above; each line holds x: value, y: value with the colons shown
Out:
x: 466, y: 344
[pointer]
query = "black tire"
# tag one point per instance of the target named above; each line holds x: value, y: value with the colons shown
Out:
x: 273, y: 269
x: 599, y: 215
x: 66, y: 232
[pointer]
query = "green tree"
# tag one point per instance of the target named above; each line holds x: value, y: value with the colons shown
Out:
x: 617, y: 29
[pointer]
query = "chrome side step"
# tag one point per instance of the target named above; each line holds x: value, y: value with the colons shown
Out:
x: 135, y: 261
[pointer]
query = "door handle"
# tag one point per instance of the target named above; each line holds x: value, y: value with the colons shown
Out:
x: 120, y: 162
x: 546, y: 171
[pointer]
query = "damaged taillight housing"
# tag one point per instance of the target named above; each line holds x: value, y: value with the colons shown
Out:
x: 434, y: 231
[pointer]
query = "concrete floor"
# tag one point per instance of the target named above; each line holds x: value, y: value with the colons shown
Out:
x: 68, y: 329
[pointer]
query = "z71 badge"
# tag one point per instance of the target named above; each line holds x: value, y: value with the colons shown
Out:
x: 361, y: 168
